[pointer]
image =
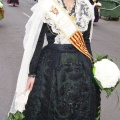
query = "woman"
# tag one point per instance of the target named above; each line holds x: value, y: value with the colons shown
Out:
x: 14, y: 2
x: 96, y: 9
x: 60, y: 74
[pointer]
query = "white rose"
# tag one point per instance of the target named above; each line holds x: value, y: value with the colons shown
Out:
x: 21, y: 101
x: 107, y: 73
x: 1, y: 5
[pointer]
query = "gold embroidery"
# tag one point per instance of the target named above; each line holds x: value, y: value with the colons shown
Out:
x: 54, y: 10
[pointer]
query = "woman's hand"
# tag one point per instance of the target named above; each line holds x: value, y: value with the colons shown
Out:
x: 30, y: 83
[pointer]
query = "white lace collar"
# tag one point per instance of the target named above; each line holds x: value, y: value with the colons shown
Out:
x: 82, y: 14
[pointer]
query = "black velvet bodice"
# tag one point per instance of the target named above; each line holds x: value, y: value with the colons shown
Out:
x: 46, y: 29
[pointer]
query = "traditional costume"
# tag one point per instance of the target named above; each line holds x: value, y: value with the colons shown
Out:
x: 58, y: 53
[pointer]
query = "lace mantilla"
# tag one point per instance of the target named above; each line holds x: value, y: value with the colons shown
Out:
x: 83, y: 15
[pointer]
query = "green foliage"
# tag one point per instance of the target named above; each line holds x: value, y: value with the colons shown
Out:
x: 99, y: 57
x: 98, y: 114
x: 17, y: 116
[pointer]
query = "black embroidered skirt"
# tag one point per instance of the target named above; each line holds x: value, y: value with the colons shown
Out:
x: 63, y: 89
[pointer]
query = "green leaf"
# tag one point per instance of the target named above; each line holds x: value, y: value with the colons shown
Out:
x: 17, y: 116
x: 93, y: 69
x: 98, y: 114
x: 110, y: 90
x: 98, y: 83
x: 99, y: 57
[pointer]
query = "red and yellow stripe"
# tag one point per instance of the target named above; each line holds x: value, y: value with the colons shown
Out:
x: 78, y: 41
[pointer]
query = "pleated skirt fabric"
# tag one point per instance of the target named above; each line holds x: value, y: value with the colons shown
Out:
x: 64, y: 88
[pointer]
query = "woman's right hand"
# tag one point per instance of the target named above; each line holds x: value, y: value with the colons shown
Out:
x: 30, y: 83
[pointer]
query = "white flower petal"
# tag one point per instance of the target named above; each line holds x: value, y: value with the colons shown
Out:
x: 107, y: 73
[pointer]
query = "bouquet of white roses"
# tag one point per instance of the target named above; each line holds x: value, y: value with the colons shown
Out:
x: 106, y: 74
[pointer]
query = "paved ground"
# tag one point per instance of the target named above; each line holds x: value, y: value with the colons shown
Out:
x: 106, y: 40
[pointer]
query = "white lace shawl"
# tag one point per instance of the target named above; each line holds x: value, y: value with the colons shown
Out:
x: 33, y: 29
